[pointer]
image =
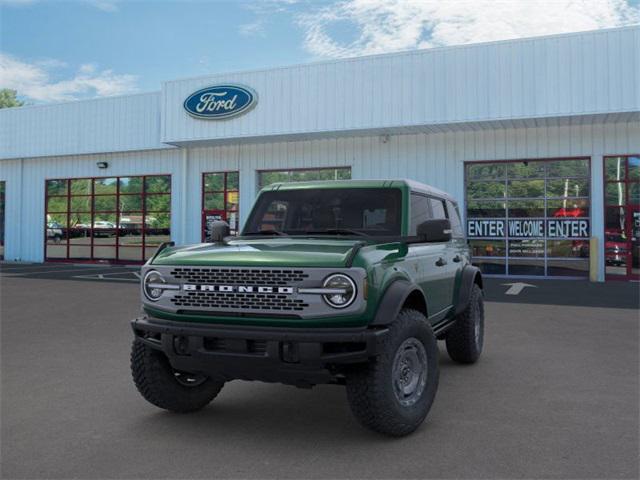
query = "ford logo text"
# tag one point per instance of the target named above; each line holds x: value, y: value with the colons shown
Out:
x: 220, y: 102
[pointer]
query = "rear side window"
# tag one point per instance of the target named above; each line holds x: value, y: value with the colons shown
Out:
x: 420, y: 211
x: 454, y: 218
x: 437, y: 208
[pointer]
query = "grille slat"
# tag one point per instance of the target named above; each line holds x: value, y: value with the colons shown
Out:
x: 236, y: 301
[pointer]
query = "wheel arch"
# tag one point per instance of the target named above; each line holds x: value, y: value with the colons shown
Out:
x: 400, y: 294
x: 470, y: 276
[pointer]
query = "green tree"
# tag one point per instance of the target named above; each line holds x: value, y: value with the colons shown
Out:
x: 8, y: 98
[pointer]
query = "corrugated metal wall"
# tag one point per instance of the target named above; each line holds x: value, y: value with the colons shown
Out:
x: 112, y: 124
x: 436, y: 159
x: 556, y: 76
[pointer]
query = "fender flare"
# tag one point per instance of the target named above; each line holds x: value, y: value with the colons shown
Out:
x: 392, y: 301
x: 470, y: 276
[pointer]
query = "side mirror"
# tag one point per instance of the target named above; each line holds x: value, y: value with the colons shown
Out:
x: 437, y: 230
x: 218, y: 231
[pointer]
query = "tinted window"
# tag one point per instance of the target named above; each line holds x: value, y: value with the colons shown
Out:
x: 454, y: 217
x: 419, y: 212
x: 372, y: 211
x: 437, y: 208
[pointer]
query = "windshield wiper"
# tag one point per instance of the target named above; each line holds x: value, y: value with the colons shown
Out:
x: 336, y: 231
x: 266, y: 232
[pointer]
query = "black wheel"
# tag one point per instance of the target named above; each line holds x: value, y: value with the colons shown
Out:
x: 394, y: 393
x: 466, y: 337
x: 167, y: 388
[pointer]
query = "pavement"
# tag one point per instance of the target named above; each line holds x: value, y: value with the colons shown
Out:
x: 555, y: 395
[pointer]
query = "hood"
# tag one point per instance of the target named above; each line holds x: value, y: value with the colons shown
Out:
x: 272, y: 252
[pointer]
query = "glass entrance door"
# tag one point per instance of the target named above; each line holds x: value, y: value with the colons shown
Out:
x: 220, y: 197
x: 622, y: 217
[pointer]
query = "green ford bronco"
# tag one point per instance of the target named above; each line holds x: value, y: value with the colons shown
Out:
x: 343, y: 282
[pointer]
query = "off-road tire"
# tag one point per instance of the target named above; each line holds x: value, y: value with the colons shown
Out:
x: 156, y: 381
x: 466, y: 337
x: 370, y: 388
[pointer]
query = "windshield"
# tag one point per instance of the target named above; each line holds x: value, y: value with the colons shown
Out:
x: 335, y: 211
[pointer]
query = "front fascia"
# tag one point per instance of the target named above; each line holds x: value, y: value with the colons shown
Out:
x: 232, y: 296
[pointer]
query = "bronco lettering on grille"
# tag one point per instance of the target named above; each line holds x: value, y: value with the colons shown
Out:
x: 237, y: 288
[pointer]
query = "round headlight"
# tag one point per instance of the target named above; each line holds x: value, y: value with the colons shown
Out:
x: 343, y: 290
x: 150, y: 285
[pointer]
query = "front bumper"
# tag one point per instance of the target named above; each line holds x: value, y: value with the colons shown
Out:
x: 297, y: 356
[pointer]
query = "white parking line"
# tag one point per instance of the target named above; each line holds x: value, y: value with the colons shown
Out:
x: 111, y: 276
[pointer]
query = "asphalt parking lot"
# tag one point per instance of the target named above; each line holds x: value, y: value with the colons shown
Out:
x: 555, y: 395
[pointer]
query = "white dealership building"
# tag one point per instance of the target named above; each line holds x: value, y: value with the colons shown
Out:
x: 538, y: 139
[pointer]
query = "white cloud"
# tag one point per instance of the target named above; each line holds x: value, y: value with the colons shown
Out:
x: 34, y: 80
x: 252, y: 28
x: 391, y: 25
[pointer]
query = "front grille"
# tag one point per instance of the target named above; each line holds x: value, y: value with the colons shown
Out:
x: 252, y: 347
x: 238, y: 301
x: 245, y: 276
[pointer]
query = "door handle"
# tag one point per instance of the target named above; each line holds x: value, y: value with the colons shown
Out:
x: 441, y: 262
x: 457, y: 258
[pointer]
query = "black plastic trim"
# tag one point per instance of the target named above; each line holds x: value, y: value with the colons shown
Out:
x: 469, y: 276
x: 393, y: 300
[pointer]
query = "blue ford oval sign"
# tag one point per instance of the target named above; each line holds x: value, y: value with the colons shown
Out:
x: 220, y: 101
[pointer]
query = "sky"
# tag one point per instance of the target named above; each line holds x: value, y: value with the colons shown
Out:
x: 54, y: 50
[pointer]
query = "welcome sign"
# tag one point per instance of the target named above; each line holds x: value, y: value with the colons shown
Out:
x: 220, y: 102
x: 528, y: 228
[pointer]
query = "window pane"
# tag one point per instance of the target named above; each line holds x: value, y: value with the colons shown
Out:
x: 214, y: 201
x: 344, y: 173
x: 525, y: 208
x: 158, y: 229
x: 56, y: 187
x: 419, y: 212
x: 267, y: 178
x: 486, y: 171
x: 81, y: 186
x: 437, y: 208
x: 213, y: 182
x: 568, y: 168
x: 564, y: 268
x: 485, y: 209
x: 58, y: 219
x: 80, y: 204
x: 614, y: 218
x: 58, y: 250
x: 104, y: 203
x: 490, y: 266
x: 81, y: 252
x: 615, y: 193
x: 525, y: 267
x: 634, y: 193
x: 614, y: 168
x: 526, y: 170
x: 158, y: 184
x: 575, y: 207
x: 454, y: 217
x: 80, y: 220
x: 104, y: 252
x: 634, y: 168
x: 57, y: 204
x: 130, y: 228
x: 485, y: 189
x: 568, y: 248
x: 488, y: 248
x: 158, y: 203
x: 525, y: 188
x: 129, y: 253
x: 568, y: 188
x: 233, y: 181
x: 526, y: 248
x: 56, y: 233
x: 105, y: 186
x: 80, y: 234
x: 130, y: 203
x: 130, y: 185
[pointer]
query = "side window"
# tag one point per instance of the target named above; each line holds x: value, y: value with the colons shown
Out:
x: 454, y: 217
x: 437, y: 207
x: 419, y: 212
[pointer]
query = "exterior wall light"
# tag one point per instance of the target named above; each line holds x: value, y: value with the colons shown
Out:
x: 102, y: 164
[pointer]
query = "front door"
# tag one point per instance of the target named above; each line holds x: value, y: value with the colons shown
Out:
x: 220, y: 192
x: 622, y: 217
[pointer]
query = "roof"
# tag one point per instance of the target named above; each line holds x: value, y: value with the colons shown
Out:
x: 374, y: 183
